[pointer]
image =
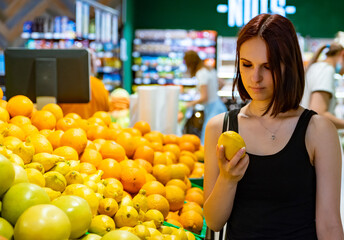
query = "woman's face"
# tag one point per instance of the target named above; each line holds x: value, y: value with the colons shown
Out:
x: 255, y: 71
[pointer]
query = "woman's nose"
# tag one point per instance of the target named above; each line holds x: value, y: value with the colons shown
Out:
x: 257, y: 75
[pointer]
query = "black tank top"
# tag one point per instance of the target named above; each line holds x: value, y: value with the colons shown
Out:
x: 276, y: 197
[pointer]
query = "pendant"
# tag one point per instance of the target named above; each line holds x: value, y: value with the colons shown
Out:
x: 273, y: 137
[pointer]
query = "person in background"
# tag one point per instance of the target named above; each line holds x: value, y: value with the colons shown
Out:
x: 207, y: 85
x: 286, y: 182
x: 320, y: 92
x: 99, y: 96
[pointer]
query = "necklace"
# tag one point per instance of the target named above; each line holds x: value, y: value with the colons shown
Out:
x: 273, y: 133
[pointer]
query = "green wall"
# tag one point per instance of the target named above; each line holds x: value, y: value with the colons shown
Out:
x: 313, y: 18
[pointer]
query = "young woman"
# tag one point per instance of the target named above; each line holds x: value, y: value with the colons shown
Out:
x: 207, y: 85
x: 320, y: 92
x: 288, y: 184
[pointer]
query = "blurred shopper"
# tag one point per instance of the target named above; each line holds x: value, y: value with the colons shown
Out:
x: 99, y: 96
x: 207, y: 85
x: 286, y: 182
x: 320, y: 92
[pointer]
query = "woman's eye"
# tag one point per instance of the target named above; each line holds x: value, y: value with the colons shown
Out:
x: 267, y: 67
x: 246, y: 65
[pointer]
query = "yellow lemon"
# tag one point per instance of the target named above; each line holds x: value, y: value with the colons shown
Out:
x: 232, y: 143
x: 35, y: 176
x: 102, y: 224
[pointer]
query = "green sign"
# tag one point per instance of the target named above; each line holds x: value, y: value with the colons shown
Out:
x: 311, y: 18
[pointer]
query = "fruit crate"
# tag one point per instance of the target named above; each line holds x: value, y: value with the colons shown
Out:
x: 197, y: 182
x: 200, y: 236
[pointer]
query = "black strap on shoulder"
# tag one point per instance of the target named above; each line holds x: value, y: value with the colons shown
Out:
x: 230, y: 121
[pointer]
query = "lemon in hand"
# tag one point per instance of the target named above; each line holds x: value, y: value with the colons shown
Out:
x: 232, y: 142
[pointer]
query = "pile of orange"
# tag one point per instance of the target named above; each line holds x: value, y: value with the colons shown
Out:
x: 112, y: 163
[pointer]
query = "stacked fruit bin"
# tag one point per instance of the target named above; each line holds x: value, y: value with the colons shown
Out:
x: 64, y: 177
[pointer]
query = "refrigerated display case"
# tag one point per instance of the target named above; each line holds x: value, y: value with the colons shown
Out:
x: 158, y: 57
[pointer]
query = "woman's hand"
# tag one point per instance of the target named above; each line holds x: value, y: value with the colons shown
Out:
x: 232, y: 169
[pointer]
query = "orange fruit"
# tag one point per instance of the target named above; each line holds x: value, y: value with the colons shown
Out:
x: 88, y: 168
x: 3, y: 103
x: 143, y: 127
x: 43, y: 120
x: 55, y: 109
x: 19, y: 105
x: 154, y: 187
x: 190, y: 154
x: 162, y: 158
x: 192, y: 206
x: 96, y: 131
x: 115, y: 125
x: 145, y: 164
x: 178, y: 183
x: 133, y: 179
x: 15, y: 131
x: 75, y: 138
x: 172, y: 148
x: 144, y: 152
x: 158, y: 202
x: 83, y: 123
x: 194, y: 196
x: 173, y: 215
x: 150, y: 177
x: 192, y: 221
x: 111, y: 134
x: 195, y: 189
x: 178, y: 171
x: 29, y: 129
x: 91, y: 145
x: 129, y: 163
x: 1, y: 93
x: 55, y: 137
x: 174, y: 222
x: 96, y: 121
x: 133, y: 131
x: 175, y: 196
x: 91, y: 156
x: 105, y: 116
x: 40, y: 143
x: 111, y: 168
x: 67, y: 152
x: 188, y: 146
x: 157, y: 147
x: 72, y: 115
x: 66, y: 123
x: 171, y: 139
x: 127, y: 141
x: 110, y: 149
x: 4, y: 115
x: 162, y: 173
x: 154, y: 136
x: 18, y: 120
x: 98, y: 143
x: 188, y: 161
x: 194, y: 139
x: 172, y: 156
x: 46, y: 132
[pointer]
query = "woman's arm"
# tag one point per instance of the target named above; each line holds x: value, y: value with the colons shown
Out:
x: 323, y: 145
x: 202, y: 99
x: 319, y: 102
x: 220, y: 177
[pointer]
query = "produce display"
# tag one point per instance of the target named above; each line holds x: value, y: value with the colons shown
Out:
x: 64, y: 177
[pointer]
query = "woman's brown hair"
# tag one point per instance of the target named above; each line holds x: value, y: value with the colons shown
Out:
x: 283, y: 50
x: 193, y: 62
x: 333, y: 50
